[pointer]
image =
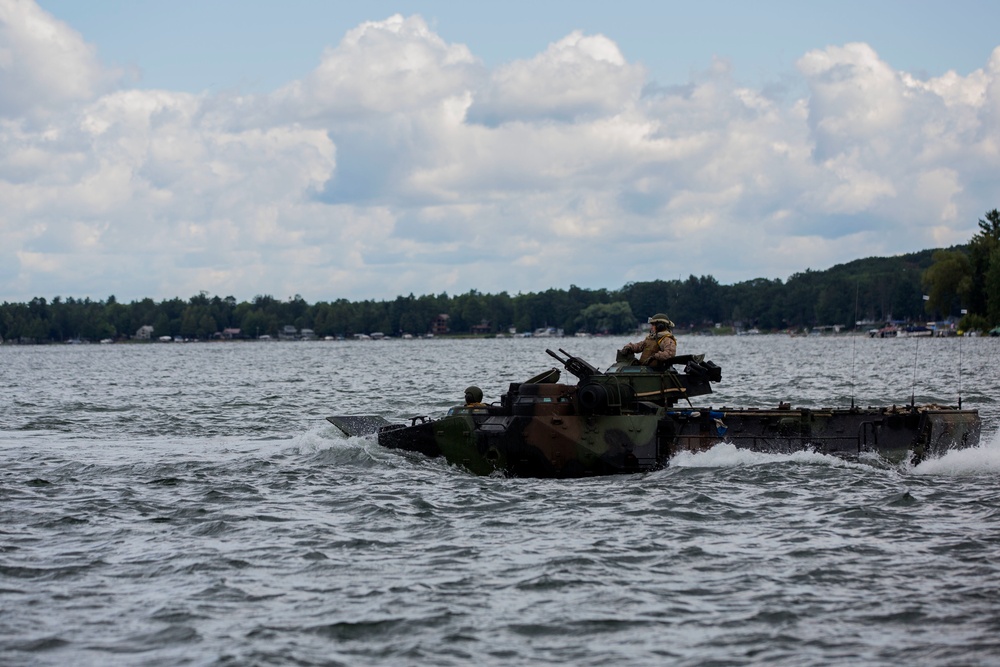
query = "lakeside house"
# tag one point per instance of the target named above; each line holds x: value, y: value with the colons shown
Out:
x: 440, y: 324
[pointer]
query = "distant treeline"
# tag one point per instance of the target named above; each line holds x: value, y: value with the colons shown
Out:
x: 873, y: 290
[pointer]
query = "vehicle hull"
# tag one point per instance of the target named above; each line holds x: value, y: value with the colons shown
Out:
x: 488, y: 441
x: 627, y: 420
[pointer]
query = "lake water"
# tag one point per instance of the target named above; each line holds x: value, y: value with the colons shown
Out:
x: 171, y: 504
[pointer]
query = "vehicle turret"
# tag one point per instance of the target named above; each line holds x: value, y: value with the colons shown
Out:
x: 626, y: 382
x: 627, y: 419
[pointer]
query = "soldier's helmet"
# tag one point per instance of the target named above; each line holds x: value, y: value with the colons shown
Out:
x: 661, y: 321
x: 473, y: 395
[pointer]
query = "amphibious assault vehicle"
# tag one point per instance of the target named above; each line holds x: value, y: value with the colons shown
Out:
x: 634, y: 418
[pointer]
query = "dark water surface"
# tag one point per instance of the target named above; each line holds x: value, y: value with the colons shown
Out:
x: 189, y: 505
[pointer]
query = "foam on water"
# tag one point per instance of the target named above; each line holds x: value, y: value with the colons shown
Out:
x: 726, y: 455
x: 983, y: 459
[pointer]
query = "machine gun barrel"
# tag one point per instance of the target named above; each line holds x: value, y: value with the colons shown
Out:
x: 575, y: 365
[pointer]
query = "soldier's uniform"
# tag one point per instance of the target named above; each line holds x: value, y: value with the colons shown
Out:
x: 659, y: 345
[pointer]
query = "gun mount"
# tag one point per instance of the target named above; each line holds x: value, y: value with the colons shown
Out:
x: 624, y: 420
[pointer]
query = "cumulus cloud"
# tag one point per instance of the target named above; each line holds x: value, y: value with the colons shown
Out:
x: 578, y: 76
x: 381, y: 67
x: 402, y: 164
x: 44, y: 64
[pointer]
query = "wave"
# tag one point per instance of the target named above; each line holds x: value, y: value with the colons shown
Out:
x: 983, y: 459
x: 726, y: 455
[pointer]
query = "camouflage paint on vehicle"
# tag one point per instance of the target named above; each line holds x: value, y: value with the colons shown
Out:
x: 628, y: 420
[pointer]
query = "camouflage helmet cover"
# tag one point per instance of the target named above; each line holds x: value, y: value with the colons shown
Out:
x: 661, y: 318
x: 473, y: 394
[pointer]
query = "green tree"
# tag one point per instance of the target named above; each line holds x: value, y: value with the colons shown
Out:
x: 948, y: 281
x: 257, y: 323
x: 614, y: 318
x: 981, y: 249
x: 992, y: 284
x: 656, y: 296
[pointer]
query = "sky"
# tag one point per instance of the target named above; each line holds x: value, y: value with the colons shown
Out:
x: 370, y: 150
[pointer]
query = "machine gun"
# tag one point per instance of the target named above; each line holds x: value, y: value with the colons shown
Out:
x: 575, y: 365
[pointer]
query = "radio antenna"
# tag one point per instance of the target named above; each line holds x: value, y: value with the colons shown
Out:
x: 854, y: 348
x: 960, y: 372
x: 913, y: 387
x: 960, y: 337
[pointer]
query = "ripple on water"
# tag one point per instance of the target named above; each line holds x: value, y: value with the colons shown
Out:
x: 199, y: 510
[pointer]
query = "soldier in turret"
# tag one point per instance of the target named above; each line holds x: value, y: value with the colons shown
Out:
x: 474, y: 397
x: 658, y: 346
